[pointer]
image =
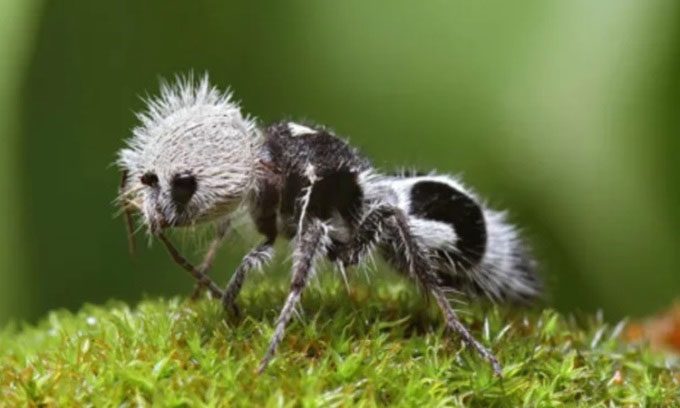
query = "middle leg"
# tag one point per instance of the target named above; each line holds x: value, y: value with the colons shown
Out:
x: 257, y: 257
x: 310, y: 245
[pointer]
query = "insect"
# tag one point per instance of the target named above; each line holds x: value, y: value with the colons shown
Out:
x: 195, y: 158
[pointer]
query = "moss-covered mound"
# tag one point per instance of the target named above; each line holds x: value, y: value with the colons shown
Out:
x: 382, y: 346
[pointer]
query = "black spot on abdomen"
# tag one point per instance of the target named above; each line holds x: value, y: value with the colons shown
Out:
x: 441, y: 202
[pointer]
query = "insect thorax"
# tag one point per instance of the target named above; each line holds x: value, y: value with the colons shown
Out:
x: 295, y: 157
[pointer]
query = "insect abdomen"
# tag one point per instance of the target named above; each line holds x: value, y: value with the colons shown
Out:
x: 482, y: 254
x: 438, y: 201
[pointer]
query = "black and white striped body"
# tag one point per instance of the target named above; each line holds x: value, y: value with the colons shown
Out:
x: 320, y: 192
x: 470, y: 247
x: 467, y: 246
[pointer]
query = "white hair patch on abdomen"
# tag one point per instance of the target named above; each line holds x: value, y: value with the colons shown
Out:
x: 433, y: 234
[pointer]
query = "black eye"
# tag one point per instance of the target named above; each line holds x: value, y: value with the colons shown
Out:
x: 183, y: 188
x: 149, y: 179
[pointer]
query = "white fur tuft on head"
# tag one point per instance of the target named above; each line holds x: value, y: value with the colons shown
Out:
x: 191, y: 128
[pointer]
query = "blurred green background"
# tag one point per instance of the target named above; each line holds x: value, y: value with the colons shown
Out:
x: 566, y: 113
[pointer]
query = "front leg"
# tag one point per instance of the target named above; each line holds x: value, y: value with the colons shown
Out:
x: 254, y: 259
x: 310, y: 245
x: 186, y: 265
x: 209, y: 257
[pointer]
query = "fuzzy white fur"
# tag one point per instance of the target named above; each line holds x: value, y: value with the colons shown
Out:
x: 191, y: 127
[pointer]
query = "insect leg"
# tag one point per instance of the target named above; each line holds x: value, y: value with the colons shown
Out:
x: 367, y: 235
x: 186, y: 265
x: 209, y: 257
x: 418, y: 267
x: 127, y: 212
x: 454, y: 324
x: 309, y: 247
x: 257, y: 256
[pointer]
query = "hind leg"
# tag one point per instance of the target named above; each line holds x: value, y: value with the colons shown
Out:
x: 393, y: 226
x: 418, y: 267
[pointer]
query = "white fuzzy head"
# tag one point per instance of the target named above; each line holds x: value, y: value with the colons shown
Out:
x: 191, y: 159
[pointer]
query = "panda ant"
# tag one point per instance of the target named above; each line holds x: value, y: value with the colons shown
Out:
x: 195, y: 158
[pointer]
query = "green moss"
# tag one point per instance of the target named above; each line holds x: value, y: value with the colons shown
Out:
x: 371, y: 347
